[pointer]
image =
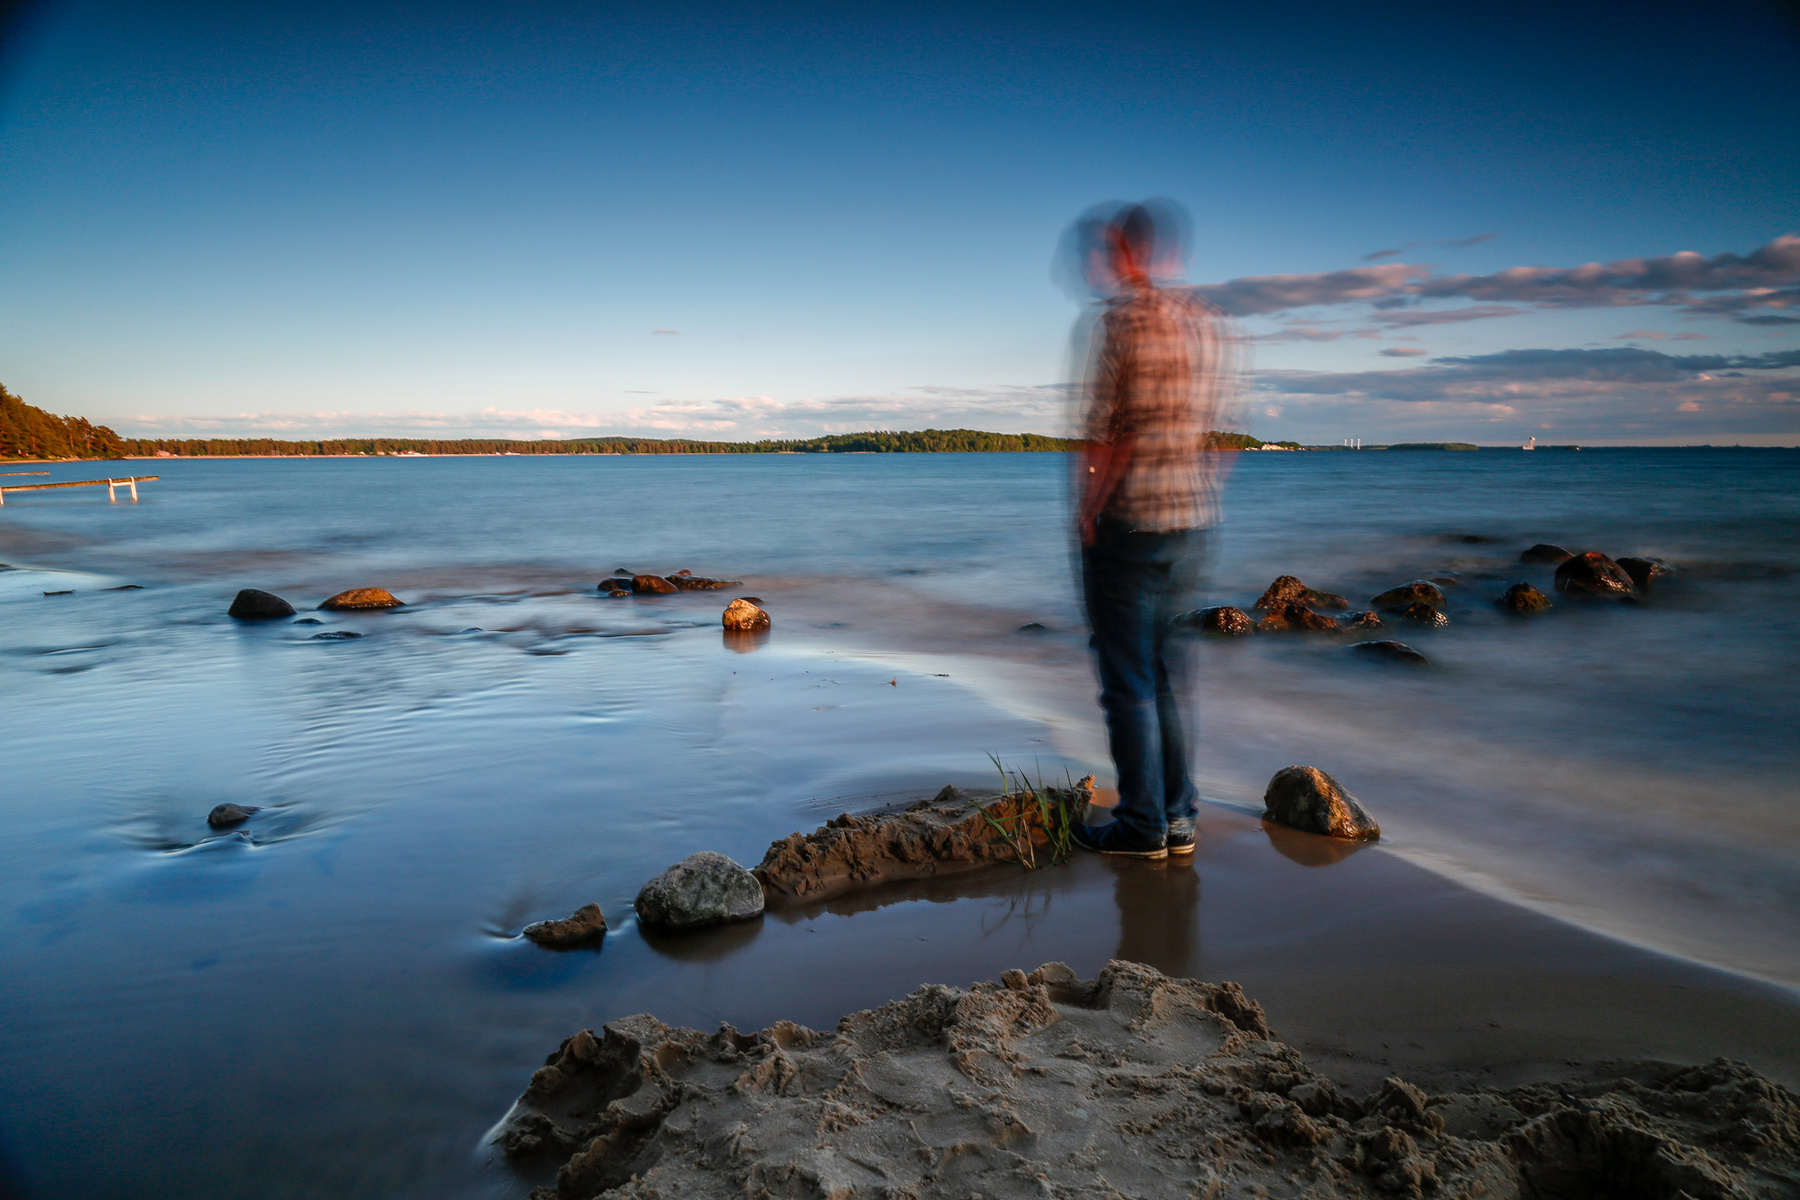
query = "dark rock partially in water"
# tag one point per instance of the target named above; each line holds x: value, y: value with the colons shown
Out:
x: 740, y: 614
x: 224, y: 816
x: 1421, y: 614
x: 585, y: 925
x: 616, y: 585
x: 1307, y: 799
x: 702, y: 889
x: 1362, y: 622
x: 361, y: 598
x: 1594, y: 574
x: 335, y: 635
x: 1419, y: 591
x: 1645, y: 571
x: 683, y: 581
x: 652, y: 585
x: 309, y: 621
x: 254, y: 604
x: 1547, y: 554
x: 1288, y: 617
x: 1287, y: 589
x: 1224, y: 620
x: 1523, y: 600
x: 1391, y: 651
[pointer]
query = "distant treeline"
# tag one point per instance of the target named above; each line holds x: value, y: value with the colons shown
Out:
x: 30, y: 432
x: 882, y: 442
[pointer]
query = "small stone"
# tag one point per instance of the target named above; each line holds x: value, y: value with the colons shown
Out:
x: 309, y: 621
x: 252, y: 604
x: 703, y: 889
x: 360, y: 598
x: 1225, y: 621
x: 230, y: 814
x: 1289, y: 617
x: 1307, y: 799
x: 1034, y: 627
x: 1362, y: 622
x: 335, y: 635
x: 1645, y: 571
x: 615, y: 585
x: 1523, y: 600
x: 1421, y: 614
x: 741, y: 614
x: 686, y: 582
x: 652, y: 585
x: 1287, y: 589
x: 1392, y: 652
x: 1545, y: 552
x: 1594, y: 574
x: 585, y: 924
x: 1419, y: 591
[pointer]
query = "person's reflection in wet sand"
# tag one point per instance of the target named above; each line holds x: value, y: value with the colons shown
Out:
x: 1159, y: 913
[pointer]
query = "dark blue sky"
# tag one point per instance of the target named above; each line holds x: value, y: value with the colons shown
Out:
x: 476, y: 218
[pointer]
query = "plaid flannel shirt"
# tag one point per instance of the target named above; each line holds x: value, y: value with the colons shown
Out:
x: 1165, y: 369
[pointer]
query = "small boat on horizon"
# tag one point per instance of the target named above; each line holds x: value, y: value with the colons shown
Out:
x: 1530, y: 445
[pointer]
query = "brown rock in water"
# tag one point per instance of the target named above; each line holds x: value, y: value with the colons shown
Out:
x: 225, y: 815
x: 1288, y: 617
x: 1421, y: 614
x: 941, y: 836
x: 1523, y: 600
x: 652, y: 585
x: 1287, y: 589
x: 585, y: 924
x: 616, y: 585
x: 741, y: 614
x: 1391, y: 652
x: 252, y: 604
x: 1644, y: 571
x: 1307, y: 799
x: 1419, y: 591
x: 1224, y: 620
x: 1546, y: 553
x: 1362, y: 622
x: 359, y: 598
x: 1594, y: 574
x: 697, y: 583
x: 1040, y: 1084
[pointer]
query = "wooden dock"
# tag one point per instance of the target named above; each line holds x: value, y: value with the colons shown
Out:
x: 112, y: 485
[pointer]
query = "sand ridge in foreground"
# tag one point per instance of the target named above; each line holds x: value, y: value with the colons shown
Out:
x: 1132, y: 1084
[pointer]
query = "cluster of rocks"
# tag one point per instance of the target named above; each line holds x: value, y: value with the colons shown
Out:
x: 1040, y: 1084
x: 626, y: 583
x: 254, y: 604
x: 1591, y: 573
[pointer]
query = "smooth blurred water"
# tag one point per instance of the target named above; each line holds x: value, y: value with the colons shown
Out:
x: 177, y: 1005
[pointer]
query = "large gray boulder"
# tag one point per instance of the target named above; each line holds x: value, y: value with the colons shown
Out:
x: 1307, y: 799
x: 702, y: 889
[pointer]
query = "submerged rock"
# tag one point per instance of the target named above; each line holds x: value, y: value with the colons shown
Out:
x: 254, y: 604
x: 585, y: 924
x: 1391, y: 652
x: 309, y: 621
x: 702, y: 889
x: 652, y: 585
x: 1287, y: 589
x: 1307, y: 799
x: 688, y: 582
x: 1594, y: 574
x: 1289, y: 617
x: 1362, y: 622
x: 360, y: 598
x: 1523, y: 600
x: 1644, y: 571
x: 335, y: 635
x: 1419, y: 591
x: 225, y: 815
x: 1421, y: 614
x: 1223, y: 620
x: 1546, y: 553
x: 743, y: 615
x: 616, y: 586
x: 1034, y: 627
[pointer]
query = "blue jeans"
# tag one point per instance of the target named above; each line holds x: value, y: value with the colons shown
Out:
x: 1135, y: 585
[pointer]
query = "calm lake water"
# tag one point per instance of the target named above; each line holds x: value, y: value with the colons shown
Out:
x: 332, y: 1001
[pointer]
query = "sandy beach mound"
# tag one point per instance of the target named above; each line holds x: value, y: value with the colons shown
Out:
x: 940, y: 836
x: 1133, y: 1084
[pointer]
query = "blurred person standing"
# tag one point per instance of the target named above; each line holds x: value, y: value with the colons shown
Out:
x: 1162, y: 372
